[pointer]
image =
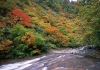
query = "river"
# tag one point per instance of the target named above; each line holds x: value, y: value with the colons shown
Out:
x: 82, y: 58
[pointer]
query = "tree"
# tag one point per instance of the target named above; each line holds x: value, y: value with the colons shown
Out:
x: 89, y: 13
x: 21, y: 16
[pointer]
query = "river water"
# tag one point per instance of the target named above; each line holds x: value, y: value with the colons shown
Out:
x: 82, y: 58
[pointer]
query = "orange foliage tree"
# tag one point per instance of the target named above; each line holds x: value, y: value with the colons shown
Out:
x: 58, y: 36
x: 62, y: 39
x: 50, y: 29
x: 5, y: 45
x: 28, y: 38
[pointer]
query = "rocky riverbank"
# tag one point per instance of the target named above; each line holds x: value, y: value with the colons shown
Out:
x: 85, y: 50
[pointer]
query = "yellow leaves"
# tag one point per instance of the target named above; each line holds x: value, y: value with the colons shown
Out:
x: 62, y: 39
x: 34, y: 9
x: 5, y: 45
x: 23, y: 38
x: 39, y: 22
x: 8, y: 42
x: 28, y: 38
x: 1, y: 47
x: 30, y: 41
x: 35, y: 19
x: 48, y: 25
x: 27, y: 34
x: 36, y: 51
x: 51, y: 29
x: 29, y: 9
x: 42, y: 24
x: 26, y: 10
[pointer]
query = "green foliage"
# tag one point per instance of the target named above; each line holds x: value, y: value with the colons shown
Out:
x: 38, y: 29
x: 52, y: 46
x: 25, y: 1
x: 56, y: 5
x: 73, y: 43
x: 97, y: 47
x: 4, y: 8
x: 31, y: 14
x: 41, y: 43
x: 1, y: 34
x: 89, y: 14
x: 10, y: 2
x: 39, y: 40
x: 22, y: 47
x: 63, y: 30
x: 45, y: 48
x: 16, y: 33
x: 19, y: 51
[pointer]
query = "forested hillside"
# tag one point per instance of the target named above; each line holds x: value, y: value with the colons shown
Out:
x: 87, y: 22
x: 31, y: 27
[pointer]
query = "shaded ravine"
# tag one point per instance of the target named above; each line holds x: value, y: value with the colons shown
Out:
x: 61, y: 59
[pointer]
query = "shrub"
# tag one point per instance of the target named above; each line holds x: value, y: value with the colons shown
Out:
x: 63, y: 30
x: 5, y: 45
x: 52, y: 45
x: 19, y: 51
x: 16, y: 33
x: 40, y: 43
x: 38, y: 29
x: 28, y: 38
x: 21, y: 17
x: 58, y: 36
x: 39, y: 40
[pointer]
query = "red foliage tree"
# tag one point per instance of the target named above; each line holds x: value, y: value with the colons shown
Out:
x: 21, y: 15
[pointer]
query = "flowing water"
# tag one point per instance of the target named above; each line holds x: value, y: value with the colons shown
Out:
x: 82, y: 58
